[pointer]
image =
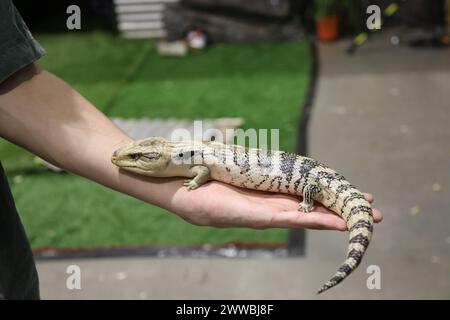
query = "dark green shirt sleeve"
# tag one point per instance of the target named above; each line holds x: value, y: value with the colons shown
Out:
x: 18, y: 48
x: 18, y: 276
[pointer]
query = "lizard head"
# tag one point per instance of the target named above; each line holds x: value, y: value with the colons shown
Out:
x: 149, y: 156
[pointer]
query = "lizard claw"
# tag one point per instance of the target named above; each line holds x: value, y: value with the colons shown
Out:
x: 305, y: 207
x: 190, y: 184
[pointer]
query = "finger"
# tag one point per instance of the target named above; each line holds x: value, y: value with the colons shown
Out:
x: 369, y: 197
x: 312, y: 220
x: 289, y: 203
x: 377, y: 215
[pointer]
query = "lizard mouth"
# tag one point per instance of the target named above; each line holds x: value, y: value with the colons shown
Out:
x: 126, y: 166
x: 122, y: 164
x: 135, y: 169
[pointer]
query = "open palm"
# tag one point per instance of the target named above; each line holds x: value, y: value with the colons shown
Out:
x: 221, y: 205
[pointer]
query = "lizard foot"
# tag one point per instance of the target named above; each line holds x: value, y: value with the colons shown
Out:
x: 190, y: 184
x: 304, y: 207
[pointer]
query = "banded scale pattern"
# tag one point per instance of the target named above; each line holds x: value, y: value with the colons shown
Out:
x: 266, y: 170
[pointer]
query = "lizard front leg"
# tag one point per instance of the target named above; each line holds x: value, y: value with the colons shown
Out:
x: 200, y: 175
x: 309, y: 193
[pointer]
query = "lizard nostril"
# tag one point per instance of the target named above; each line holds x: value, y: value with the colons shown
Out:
x: 114, y: 157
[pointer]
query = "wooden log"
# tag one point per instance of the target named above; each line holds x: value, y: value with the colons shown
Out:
x: 179, y: 19
x: 268, y: 8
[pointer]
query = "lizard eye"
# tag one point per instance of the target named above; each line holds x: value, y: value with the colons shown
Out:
x: 135, y: 156
x: 150, y: 156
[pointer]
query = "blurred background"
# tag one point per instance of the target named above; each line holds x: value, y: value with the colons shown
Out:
x: 372, y: 104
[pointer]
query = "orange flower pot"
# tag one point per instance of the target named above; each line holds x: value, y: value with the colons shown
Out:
x: 327, y: 28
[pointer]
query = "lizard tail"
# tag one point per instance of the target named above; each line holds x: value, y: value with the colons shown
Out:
x: 360, y: 224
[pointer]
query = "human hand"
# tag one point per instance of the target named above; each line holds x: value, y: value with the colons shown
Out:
x: 221, y: 205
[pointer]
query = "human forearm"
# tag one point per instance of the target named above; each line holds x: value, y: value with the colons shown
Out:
x: 46, y: 116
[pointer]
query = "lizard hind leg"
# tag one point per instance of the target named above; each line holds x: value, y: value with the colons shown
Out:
x: 309, y: 193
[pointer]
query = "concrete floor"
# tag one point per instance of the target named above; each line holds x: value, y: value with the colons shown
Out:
x: 380, y: 117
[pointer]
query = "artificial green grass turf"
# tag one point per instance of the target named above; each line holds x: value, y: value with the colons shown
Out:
x: 265, y: 84
x: 95, y: 64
